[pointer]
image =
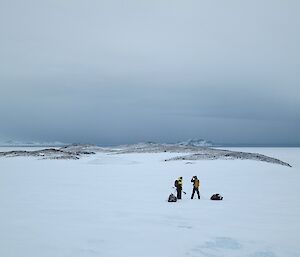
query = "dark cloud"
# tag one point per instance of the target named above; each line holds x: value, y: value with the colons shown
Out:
x: 113, y: 72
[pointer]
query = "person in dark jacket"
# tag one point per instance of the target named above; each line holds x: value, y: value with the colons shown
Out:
x: 178, y: 185
x: 196, y: 185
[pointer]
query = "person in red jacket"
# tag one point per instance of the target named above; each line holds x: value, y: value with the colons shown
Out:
x: 196, y: 185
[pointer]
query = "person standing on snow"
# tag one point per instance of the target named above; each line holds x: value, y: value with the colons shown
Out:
x: 178, y: 185
x: 196, y: 184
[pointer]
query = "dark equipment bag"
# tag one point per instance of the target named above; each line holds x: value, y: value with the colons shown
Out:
x: 172, y: 198
x: 216, y: 197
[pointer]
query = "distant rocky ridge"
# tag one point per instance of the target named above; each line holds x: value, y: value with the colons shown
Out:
x: 15, y: 143
x: 217, y: 154
x: 196, y: 142
x: 190, y: 150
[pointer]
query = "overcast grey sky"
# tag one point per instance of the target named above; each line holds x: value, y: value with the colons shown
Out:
x: 110, y: 72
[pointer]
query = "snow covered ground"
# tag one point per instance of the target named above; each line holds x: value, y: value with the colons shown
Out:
x: 114, y: 205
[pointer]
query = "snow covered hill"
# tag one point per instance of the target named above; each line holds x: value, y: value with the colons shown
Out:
x: 187, y: 152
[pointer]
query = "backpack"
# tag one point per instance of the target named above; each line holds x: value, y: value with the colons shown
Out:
x: 176, y: 183
x: 216, y: 197
x: 196, y: 183
x: 172, y: 198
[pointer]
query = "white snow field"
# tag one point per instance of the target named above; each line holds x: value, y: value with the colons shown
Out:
x: 114, y: 205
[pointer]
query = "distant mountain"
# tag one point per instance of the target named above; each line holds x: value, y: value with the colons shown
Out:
x: 196, y: 142
x: 15, y: 143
